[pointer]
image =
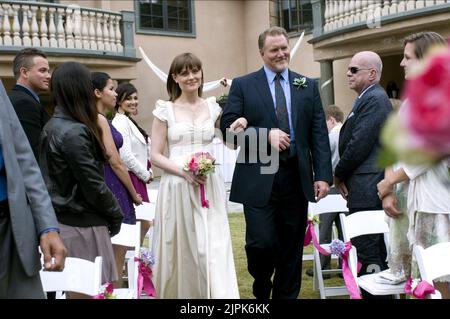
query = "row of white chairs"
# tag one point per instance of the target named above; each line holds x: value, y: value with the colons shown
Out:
x: 83, y: 276
x: 433, y: 262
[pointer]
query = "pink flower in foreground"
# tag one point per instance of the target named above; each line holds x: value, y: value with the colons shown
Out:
x: 427, y: 115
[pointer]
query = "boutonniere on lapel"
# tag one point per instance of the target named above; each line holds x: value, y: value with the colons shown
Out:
x: 300, y: 83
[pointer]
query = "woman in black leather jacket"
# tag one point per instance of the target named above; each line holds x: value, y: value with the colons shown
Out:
x: 72, y: 155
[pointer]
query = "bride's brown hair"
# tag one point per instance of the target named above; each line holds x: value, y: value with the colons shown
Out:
x: 184, y: 61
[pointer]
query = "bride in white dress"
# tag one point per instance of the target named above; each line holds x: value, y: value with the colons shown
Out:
x: 191, y: 244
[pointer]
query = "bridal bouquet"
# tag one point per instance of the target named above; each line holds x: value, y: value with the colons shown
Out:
x: 201, y: 164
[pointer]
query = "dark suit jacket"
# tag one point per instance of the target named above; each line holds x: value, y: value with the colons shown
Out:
x: 31, y: 114
x: 250, y: 97
x: 359, y: 145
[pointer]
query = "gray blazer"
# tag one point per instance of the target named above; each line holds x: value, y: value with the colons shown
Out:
x: 30, y: 206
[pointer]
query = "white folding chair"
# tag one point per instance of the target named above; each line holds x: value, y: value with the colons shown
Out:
x: 130, y: 236
x: 146, y: 211
x: 365, y: 223
x: 331, y: 204
x: 152, y: 195
x: 79, y: 275
x: 433, y: 262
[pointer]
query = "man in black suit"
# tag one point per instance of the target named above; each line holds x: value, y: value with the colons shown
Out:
x: 284, y: 162
x: 357, y: 173
x: 32, y: 72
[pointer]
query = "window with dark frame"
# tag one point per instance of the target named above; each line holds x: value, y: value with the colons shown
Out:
x: 172, y: 16
x: 296, y: 15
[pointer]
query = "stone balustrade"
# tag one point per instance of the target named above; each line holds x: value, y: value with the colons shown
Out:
x: 343, y: 13
x: 45, y: 25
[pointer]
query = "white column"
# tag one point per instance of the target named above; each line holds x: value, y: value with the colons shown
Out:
x: 429, y: 3
x: 61, y: 32
x: 327, y: 16
x: 112, y: 33
x: 410, y: 5
x: 118, y: 34
x: 92, y: 27
x: 401, y: 7
x: 52, y: 28
x: 34, y: 28
x: 340, y: 18
x: 70, y: 44
x: 106, y: 32
x: 394, y: 7
x: 377, y: 13
x: 7, y: 40
x: 332, y: 15
x: 17, y: 40
x: 26, y: 26
x: 76, y: 24
x: 364, y: 9
x: 386, y: 7
x: 44, y: 30
x: 100, y: 44
x: 420, y: 4
x: 85, y: 29
x: 358, y: 7
x: 352, y: 8
x: 346, y: 12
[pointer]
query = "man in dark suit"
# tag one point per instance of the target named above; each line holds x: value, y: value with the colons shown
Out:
x: 27, y: 218
x: 32, y: 72
x: 357, y: 174
x: 284, y: 162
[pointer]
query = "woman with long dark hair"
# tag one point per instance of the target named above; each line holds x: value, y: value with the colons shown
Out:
x: 72, y: 155
x: 116, y: 174
x: 135, y: 150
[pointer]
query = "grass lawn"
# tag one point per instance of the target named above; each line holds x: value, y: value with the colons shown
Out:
x: 245, y: 281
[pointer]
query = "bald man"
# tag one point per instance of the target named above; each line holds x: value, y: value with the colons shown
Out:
x: 357, y: 173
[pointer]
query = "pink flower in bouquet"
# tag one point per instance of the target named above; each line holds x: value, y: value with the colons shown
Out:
x: 427, y: 115
x: 193, y: 166
x: 201, y: 164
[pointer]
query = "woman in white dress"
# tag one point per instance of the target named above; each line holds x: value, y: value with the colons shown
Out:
x: 135, y: 149
x: 416, y: 196
x: 191, y: 244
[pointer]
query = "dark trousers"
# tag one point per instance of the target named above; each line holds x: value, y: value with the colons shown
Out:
x: 325, y: 234
x: 326, y: 231
x: 372, y: 254
x: 275, y: 235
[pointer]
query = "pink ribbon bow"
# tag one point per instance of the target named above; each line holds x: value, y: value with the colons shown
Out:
x: 205, y: 202
x: 349, y: 280
x: 145, y: 279
x: 423, y: 289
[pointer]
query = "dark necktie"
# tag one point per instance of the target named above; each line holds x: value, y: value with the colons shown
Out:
x: 282, y: 114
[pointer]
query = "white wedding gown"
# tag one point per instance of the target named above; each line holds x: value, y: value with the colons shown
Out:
x: 191, y: 244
